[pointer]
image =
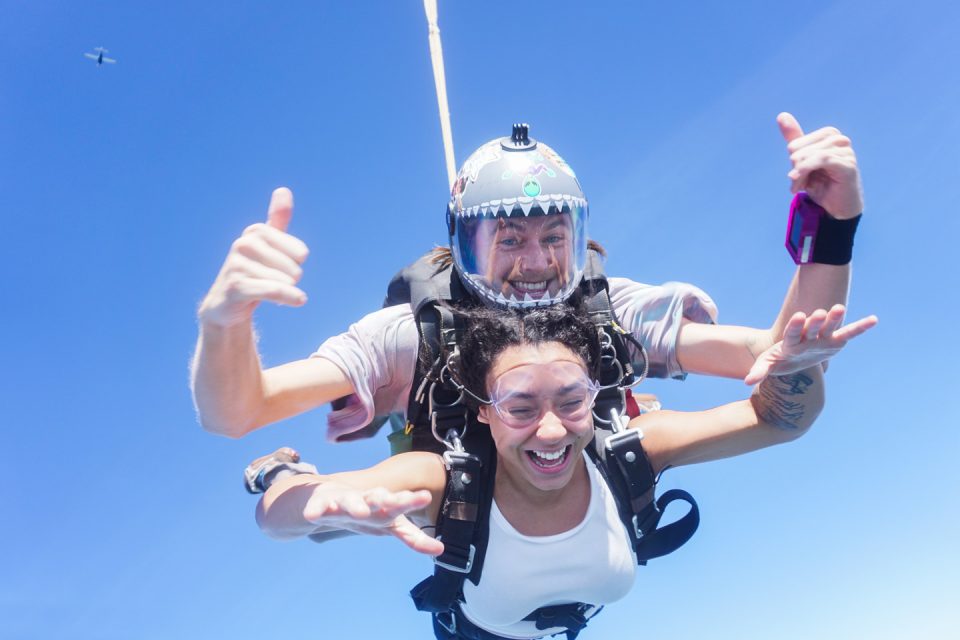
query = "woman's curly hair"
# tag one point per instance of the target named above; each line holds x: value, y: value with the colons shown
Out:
x: 488, y: 332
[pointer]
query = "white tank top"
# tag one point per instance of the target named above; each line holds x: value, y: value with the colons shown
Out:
x: 593, y: 563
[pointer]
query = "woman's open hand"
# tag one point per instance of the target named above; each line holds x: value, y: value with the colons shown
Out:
x: 807, y: 341
x: 377, y: 512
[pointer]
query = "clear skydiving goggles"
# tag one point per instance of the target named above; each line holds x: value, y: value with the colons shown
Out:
x: 522, y: 396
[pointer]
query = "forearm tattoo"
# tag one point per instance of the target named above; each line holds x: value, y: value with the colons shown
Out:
x: 776, y: 403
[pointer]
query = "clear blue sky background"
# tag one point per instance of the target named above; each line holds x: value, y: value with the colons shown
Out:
x: 122, y: 188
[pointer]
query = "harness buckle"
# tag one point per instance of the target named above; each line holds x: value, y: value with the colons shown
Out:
x: 453, y: 567
x: 614, y: 440
x: 456, y: 456
x: 457, y: 434
x: 451, y: 627
x: 450, y: 410
x: 615, y: 397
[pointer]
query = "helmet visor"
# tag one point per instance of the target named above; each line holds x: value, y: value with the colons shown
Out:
x: 518, y: 260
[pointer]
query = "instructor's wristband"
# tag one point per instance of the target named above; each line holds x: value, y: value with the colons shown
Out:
x: 813, y: 235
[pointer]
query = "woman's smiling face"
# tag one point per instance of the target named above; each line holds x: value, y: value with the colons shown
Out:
x: 543, y: 420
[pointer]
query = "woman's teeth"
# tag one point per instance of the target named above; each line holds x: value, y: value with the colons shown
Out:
x: 549, y: 458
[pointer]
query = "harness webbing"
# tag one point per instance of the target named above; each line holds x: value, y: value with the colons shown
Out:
x: 453, y: 625
x: 625, y: 466
x: 439, y: 421
x: 617, y: 451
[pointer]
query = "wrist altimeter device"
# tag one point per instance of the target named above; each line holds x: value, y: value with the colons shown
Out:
x: 813, y: 235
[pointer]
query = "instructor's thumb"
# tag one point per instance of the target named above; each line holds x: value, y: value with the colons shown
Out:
x: 281, y: 209
x: 789, y: 127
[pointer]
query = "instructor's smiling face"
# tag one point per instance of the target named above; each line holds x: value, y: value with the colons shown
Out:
x: 527, y: 258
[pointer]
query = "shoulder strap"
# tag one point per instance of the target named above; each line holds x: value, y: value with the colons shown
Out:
x: 424, y: 282
x: 463, y: 525
x: 625, y: 467
x: 617, y: 451
x: 595, y: 297
x: 439, y: 419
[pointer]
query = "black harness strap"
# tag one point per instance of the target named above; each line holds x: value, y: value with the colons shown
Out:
x: 461, y: 507
x: 441, y: 423
x: 617, y: 451
x: 453, y: 625
x: 436, y: 409
x: 626, y: 467
x: 571, y: 616
x: 463, y: 526
x: 616, y: 369
x: 463, y: 521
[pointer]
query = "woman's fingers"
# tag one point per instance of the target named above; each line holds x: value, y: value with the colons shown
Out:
x: 415, y: 538
x: 794, y: 331
x: 317, y: 508
x: 388, y: 505
x: 833, y: 321
x: 808, y: 340
x: 815, y: 322
x: 759, y: 370
x: 375, y: 511
x: 855, y: 329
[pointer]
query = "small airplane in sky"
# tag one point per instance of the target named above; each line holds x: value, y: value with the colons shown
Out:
x: 99, y: 57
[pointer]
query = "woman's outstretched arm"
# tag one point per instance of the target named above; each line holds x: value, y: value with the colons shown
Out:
x: 781, y: 408
x: 396, y: 497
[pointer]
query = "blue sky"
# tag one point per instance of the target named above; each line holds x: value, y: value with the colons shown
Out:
x: 123, y: 186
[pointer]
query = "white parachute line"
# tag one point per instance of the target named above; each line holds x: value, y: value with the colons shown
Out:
x: 440, y: 80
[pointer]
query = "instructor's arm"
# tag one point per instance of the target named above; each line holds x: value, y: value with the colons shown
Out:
x: 232, y: 392
x: 824, y: 165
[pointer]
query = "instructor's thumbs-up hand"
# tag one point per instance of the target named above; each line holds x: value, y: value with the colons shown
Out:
x: 262, y: 264
x: 824, y: 165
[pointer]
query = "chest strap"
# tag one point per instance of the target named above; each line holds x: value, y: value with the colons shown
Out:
x: 453, y: 625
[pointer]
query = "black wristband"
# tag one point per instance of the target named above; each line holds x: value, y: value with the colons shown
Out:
x: 834, y: 243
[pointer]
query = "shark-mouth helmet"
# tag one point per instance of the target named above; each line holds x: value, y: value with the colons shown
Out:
x: 517, y: 221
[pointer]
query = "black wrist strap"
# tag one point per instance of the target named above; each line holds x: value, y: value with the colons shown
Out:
x: 834, y: 243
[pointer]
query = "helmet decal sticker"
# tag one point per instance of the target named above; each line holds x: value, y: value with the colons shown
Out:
x: 480, y: 158
x: 489, y: 152
x: 531, y: 187
x: 555, y: 158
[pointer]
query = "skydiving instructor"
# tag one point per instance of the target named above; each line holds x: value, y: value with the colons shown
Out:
x: 234, y: 394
